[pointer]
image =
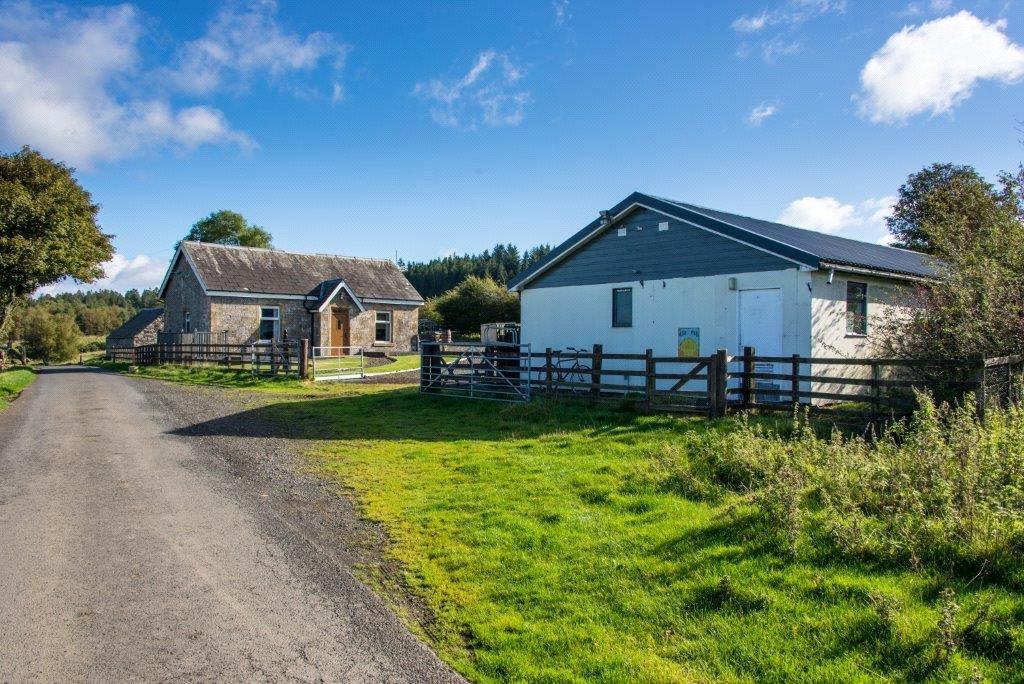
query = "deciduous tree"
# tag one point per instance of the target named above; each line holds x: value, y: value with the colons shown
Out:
x: 48, y: 229
x: 229, y: 228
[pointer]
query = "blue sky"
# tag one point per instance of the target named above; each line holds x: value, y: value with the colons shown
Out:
x: 422, y: 130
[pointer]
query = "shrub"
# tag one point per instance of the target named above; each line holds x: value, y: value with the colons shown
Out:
x: 473, y: 302
x: 49, y: 337
x: 940, y: 489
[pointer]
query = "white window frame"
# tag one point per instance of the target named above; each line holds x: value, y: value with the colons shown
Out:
x: 277, y: 323
x: 186, y: 321
x: 851, y: 326
x: 388, y: 319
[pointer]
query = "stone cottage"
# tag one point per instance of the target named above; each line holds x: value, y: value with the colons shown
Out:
x: 138, y: 330
x: 248, y: 295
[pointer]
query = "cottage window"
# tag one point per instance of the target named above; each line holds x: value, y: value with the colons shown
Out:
x: 622, y: 307
x: 270, y: 323
x: 186, y: 321
x: 856, y: 308
x: 382, y: 332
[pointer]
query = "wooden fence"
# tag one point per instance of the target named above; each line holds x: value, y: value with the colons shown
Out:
x: 278, y: 358
x: 712, y: 384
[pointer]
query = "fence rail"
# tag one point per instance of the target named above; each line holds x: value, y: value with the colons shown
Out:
x: 277, y: 358
x: 712, y: 384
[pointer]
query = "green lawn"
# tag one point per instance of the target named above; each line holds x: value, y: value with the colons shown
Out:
x: 12, y: 382
x: 559, y: 542
x: 566, y: 542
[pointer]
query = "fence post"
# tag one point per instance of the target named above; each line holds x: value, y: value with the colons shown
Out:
x: 547, y: 370
x: 749, y: 396
x: 722, y: 381
x: 650, y: 382
x: 595, y: 371
x: 876, y: 390
x: 794, y: 380
x: 981, y: 395
x: 712, y: 385
x: 303, y: 359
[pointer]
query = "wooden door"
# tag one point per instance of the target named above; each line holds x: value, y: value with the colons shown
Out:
x: 339, y: 331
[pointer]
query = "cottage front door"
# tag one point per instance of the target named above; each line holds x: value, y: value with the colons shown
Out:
x: 339, y: 331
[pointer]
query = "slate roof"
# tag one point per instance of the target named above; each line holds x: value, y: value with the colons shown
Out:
x: 807, y: 247
x: 271, y: 271
x: 136, y: 324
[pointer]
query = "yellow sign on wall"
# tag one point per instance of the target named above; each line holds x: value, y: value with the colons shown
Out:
x: 688, y: 344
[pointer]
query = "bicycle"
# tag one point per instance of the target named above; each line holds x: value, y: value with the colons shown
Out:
x: 575, y: 372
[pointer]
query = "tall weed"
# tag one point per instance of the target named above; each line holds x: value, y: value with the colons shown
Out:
x: 941, y: 489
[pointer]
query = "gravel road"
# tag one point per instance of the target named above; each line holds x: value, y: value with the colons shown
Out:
x: 135, y: 544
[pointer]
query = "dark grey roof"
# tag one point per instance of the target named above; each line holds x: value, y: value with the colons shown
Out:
x: 828, y: 248
x: 136, y: 324
x: 801, y: 245
x: 247, y: 269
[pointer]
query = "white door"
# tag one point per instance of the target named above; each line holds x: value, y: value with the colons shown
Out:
x: 760, y: 326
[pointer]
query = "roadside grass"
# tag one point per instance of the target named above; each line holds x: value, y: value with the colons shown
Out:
x: 562, y: 542
x: 12, y: 382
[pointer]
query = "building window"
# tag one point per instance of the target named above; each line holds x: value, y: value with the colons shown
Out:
x: 186, y: 321
x: 382, y: 332
x: 856, y: 308
x: 621, y: 232
x: 622, y: 307
x: 270, y: 324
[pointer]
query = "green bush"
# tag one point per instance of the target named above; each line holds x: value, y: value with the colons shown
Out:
x: 473, y: 302
x: 49, y: 337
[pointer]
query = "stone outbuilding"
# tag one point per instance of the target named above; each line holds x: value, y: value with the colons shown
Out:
x: 138, y: 330
x: 248, y: 295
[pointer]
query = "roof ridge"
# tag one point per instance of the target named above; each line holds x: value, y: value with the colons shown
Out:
x: 286, y: 251
x: 786, y: 225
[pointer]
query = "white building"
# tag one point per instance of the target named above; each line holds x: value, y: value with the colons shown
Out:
x: 683, y: 280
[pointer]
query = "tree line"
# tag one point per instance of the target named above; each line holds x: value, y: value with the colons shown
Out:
x: 500, y: 264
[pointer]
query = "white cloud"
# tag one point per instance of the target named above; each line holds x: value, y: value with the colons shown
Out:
x: 242, y: 42
x: 931, y: 7
x: 790, y: 13
x: 120, y: 273
x: 562, y: 13
x: 488, y: 92
x: 761, y: 112
x: 863, y: 221
x: 935, y: 66
x: 63, y: 76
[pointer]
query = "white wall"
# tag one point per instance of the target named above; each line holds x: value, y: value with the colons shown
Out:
x: 581, y: 315
x: 830, y: 338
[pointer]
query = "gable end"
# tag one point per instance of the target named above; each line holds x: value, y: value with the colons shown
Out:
x: 649, y: 251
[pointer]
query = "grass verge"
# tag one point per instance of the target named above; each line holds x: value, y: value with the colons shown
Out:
x: 12, y: 382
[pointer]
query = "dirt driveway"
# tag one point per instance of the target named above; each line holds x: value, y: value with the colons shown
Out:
x: 133, y: 548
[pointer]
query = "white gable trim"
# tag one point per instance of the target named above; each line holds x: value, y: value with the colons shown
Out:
x: 342, y: 285
x: 170, y: 269
x: 635, y: 205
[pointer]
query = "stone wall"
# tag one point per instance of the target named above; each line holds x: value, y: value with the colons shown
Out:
x: 184, y: 293
x: 362, y: 326
x: 240, y: 316
x: 145, y: 336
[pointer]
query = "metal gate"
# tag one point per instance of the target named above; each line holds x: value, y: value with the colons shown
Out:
x: 338, y: 363
x: 495, y: 371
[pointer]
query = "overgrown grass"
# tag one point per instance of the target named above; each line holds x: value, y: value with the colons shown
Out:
x: 573, y: 543
x: 12, y: 382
